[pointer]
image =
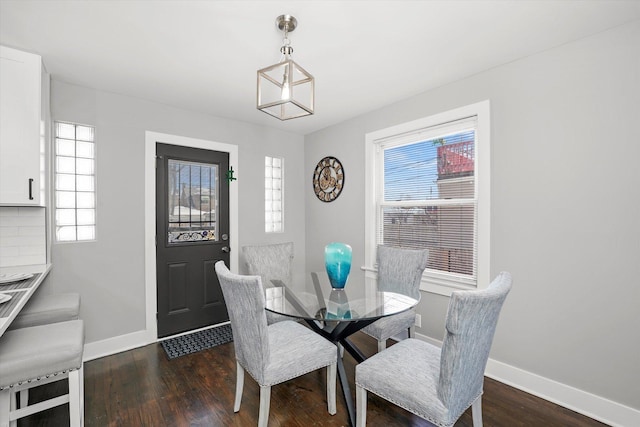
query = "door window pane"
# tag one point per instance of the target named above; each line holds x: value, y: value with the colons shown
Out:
x: 193, y: 199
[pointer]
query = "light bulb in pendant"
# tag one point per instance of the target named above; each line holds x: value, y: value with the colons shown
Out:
x: 286, y: 90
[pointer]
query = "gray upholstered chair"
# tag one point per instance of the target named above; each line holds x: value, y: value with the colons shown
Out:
x: 30, y: 357
x: 270, y: 262
x: 42, y: 310
x: 399, y: 270
x: 439, y: 384
x: 45, y: 309
x: 274, y: 353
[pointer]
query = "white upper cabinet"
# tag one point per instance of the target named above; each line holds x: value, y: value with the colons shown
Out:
x: 24, y: 121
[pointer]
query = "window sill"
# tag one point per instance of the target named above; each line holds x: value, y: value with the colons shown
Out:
x: 444, y: 290
x: 430, y: 284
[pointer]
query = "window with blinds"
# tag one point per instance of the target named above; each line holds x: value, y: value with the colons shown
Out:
x: 428, y: 199
x: 75, y: 187
x: 426, y: 194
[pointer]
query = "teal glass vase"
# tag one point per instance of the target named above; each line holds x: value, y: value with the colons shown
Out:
x: 337, y: 261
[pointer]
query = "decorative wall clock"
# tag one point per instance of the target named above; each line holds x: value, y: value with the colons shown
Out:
x: 328, y: 179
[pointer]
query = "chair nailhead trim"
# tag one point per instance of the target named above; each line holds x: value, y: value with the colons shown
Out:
x: 296, y: 375
x: 421, y: 415
x: 19, y: 383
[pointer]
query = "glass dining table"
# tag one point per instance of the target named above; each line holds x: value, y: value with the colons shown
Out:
x: 336, y: 313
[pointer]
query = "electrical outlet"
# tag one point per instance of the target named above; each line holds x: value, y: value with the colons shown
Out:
x: 418, y: 321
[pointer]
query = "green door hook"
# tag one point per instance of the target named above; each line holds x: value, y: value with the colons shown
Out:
x: 230, y: 176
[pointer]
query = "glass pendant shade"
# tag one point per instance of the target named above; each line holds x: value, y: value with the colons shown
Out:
x: 337, y: 261
x: 285, y: 90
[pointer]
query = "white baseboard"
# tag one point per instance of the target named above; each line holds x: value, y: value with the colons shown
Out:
x: 97, y: 349
x: 596, y: 407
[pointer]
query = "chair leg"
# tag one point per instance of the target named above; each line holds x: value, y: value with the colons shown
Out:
x: 361, y: 406
x: 382, y: 344
x: 5, y: 406
x: 476, y: 412
x: 331, y: 387
x: 75, y: 398
x: 239, y: 386
x: 411, y: 333
x: 82, y: 394
x: 14, y: 398
x: 265, y: 401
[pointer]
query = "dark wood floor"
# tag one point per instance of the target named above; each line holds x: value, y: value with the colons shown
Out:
x: 142, y: 387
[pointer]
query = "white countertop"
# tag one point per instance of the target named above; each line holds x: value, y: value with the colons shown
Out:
x: 37, y: 268
x: 24, y: 296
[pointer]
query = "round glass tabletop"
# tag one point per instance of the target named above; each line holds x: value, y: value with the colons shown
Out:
x: 315, y: 299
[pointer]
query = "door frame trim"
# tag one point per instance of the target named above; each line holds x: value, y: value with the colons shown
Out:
x: 151, y: 329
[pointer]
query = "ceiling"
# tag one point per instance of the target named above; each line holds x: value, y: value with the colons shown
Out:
x: 203, y: 55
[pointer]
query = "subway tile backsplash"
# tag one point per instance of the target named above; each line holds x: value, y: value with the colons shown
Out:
x: 23, y: 236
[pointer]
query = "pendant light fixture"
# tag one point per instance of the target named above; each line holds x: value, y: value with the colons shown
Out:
x: 285, y: 89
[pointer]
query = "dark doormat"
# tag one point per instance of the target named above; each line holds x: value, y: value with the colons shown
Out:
x: 200, y: 340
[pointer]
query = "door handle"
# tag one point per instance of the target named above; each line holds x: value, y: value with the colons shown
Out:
x: 226, y: 249
x: 30, y: 188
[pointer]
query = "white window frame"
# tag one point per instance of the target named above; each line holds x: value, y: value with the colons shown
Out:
x: 416, y: 131
x: 270, y: 224
x: 54, y: 174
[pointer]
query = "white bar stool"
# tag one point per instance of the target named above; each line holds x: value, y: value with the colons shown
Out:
x: 44, y: 309
x: 39, y: 355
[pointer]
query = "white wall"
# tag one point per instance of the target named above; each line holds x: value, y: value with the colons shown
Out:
x: 109, y: 273
x: 565, y: 207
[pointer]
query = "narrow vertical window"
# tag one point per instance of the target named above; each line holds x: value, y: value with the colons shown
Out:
x: 273, y: 200
x: 75, y: 192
